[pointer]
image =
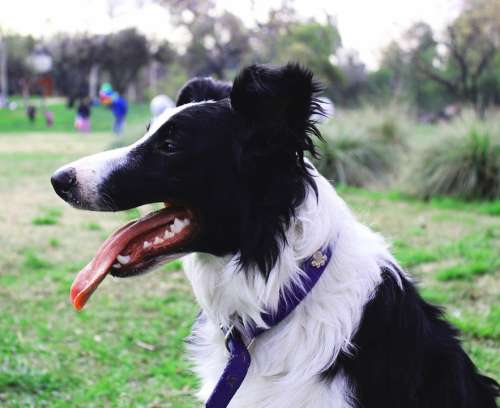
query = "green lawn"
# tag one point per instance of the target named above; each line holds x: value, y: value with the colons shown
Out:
x: 126, y: 348
x: 64, y: 118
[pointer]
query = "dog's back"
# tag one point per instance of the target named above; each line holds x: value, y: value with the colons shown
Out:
x: 406, y: 355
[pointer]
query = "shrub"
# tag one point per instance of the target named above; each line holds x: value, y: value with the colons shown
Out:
x: 468, y: 168
x: 354, y: 161
x: 389, y: 131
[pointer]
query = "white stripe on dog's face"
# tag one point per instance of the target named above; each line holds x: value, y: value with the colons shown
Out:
x: 89, y: 172
x: 161, y: 120
x: 92, y: 170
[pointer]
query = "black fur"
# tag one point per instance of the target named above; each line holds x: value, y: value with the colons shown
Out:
x: 406, y: 355
x: 203, y: 89
x: 275, y: 105
x: 238, y: 161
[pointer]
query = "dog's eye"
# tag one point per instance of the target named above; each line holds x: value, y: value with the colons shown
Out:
x: 168, y: 147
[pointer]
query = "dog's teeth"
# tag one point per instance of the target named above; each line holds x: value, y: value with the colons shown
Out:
x: 157, y: 240
x: 187, y: 221
x: 168, y: 234
x: 117, y: 266
x: 146, y: 244
x: 123, y: 259
x: 177, y: 226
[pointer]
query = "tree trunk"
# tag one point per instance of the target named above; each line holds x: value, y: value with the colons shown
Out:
x: 153, y: 77
x: 132, y: 92
x: 93, y: 81
x: 4, y: 92
x: 480, y: 107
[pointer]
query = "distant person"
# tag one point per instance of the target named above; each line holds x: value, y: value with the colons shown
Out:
x: 49, y: 118
x: 82, y: 121
x: 119, y: 107
x: 31, y: 113
x: 117, y: 104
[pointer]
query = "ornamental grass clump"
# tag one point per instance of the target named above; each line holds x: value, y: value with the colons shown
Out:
x: 355, y: 160
x: 466, y: 167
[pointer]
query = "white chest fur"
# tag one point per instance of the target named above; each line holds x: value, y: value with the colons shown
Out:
x: 288, y: 359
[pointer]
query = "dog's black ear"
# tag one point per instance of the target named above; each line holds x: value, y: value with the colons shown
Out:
x: 203, y: 89
x: 275, y: 105
x: 279, y: 97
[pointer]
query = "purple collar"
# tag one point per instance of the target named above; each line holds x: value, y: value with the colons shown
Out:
x: 239, y: 357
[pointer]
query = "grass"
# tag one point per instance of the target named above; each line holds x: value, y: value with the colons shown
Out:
x: 437, y: 202
x: 54, y: 242
x: 480, y: 327
x: 409, y: 257
x: 49, y: 354
x: 465, y: 271
x: 49, y: 216
x: 126, y: 348
x: 33, y: 261
x: 93, y: 226
x: 15, y: 121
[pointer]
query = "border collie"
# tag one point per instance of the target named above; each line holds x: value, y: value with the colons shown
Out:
x: 249, y: 209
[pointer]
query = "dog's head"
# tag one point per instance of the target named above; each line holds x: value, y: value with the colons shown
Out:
x: 231, y: 172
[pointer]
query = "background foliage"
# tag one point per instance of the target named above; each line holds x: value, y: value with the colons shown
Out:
x: 425, y: 70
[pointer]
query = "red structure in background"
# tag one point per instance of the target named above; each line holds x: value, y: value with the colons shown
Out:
x: 45, y: 83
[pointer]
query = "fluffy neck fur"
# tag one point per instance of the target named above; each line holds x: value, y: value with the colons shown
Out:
x: 309, y: 340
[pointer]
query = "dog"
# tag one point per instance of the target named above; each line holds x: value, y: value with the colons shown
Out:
x: 254, y: 219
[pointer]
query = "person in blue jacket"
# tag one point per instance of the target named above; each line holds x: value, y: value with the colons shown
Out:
x: 118, y: 105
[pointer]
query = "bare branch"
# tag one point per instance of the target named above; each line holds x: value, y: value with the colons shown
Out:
x: 431, y: 74
x: 485, y: 61
x: 459, y: 55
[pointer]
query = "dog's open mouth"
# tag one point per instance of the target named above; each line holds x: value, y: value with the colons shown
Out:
x: 158, y: 237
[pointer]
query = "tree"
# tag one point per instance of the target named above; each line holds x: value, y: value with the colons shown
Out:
x: 311, y: 43
x: 79, y: 60
x: 218, y: 43
x: 393, y: 67
x: 279, y: 23
x: 459, y: 61
x: 123, y: 54
x: 18, y: 71
x: 4, y: 93
x: 74, y: 57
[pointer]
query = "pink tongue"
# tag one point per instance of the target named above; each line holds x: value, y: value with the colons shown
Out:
x: 89, y: 278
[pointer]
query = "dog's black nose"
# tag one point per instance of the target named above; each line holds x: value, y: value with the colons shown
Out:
x: 64, y: 182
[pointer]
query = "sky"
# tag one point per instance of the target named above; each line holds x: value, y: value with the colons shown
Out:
x: 365, y: 25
